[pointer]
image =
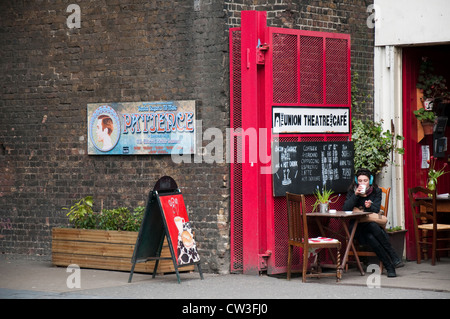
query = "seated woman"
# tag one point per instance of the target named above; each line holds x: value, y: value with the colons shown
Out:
x: 366, y: 196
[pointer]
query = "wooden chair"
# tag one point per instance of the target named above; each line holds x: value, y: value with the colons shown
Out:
x: 298, y: 237
x: 365, y: 250
x: 385, y: 206
x: 425, y: 221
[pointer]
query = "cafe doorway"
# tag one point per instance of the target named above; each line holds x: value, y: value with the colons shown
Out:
x: 418, y: 145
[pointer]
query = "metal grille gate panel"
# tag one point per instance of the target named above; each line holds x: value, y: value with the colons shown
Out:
x: 298, y: 68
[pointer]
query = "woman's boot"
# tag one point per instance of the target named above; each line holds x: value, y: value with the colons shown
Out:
x: 384, y: 258
x: 383, y: 239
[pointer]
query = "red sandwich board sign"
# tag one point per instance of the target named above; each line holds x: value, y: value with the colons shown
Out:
x: 166, y: 216
x: 179, y: 229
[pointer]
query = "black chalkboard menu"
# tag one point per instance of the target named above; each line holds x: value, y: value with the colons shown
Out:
x: 301, y: 167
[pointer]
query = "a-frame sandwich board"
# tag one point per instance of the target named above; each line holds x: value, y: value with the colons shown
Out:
x: 165, y: 216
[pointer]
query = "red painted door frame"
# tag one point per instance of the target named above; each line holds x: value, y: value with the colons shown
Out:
x: 412, y: 148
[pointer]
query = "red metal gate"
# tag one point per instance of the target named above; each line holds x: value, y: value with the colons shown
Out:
x: 275, y: 67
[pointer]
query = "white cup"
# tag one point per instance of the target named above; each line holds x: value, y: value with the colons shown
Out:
x: 363, y: 189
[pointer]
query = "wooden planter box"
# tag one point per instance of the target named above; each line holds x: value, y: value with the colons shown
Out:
x: 103, y: 249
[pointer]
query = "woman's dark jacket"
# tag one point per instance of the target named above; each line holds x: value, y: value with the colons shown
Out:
x: 353, y: 200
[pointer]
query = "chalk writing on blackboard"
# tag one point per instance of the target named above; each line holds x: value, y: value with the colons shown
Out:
x: 304, y: 166
x: 310, y: 162
x: 287, y: 166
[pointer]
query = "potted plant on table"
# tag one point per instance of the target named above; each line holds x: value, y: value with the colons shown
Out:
x: 323, y: 199
x: 434, y: 174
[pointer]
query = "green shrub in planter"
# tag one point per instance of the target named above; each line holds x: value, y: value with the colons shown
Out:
x: 120, y: 218
x: 424, y: 115
x: 81, y: 215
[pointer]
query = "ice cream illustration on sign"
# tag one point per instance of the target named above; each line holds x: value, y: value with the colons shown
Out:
x: 186, y: 247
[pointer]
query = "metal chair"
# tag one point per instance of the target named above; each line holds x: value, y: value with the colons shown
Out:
x: 298, y: 237
x: 424, y: 212
x: 365, y: 250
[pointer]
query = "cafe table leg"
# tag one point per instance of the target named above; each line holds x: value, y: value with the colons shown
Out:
x: 350, y: 245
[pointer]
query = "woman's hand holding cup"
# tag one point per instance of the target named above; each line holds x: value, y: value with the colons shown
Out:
x: 361, y: 190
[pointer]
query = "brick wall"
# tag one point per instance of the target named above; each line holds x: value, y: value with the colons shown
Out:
x: 126, y: 52
x: 123, y: 52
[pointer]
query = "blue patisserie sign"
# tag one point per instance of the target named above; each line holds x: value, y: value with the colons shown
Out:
x: 132, y: 128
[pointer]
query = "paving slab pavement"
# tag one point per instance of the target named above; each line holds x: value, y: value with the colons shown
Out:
x: 22, y: 278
